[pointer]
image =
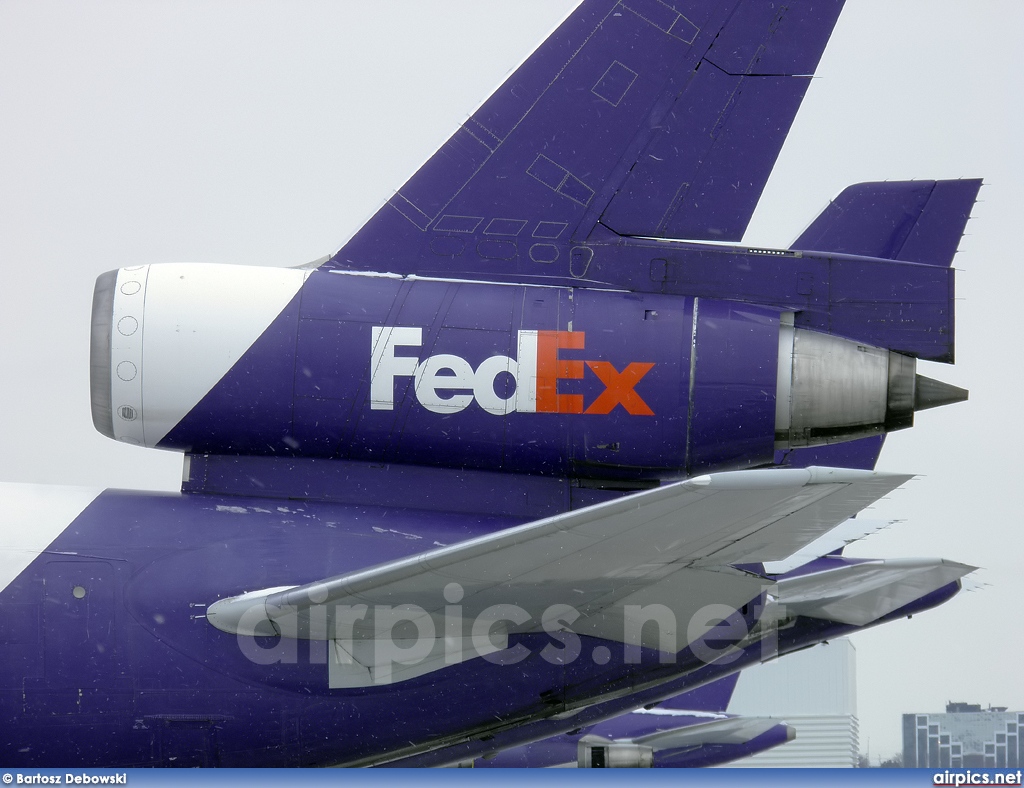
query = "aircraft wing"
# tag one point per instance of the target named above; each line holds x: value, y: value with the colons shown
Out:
x: 730, y: 730
x: 653, y: 118
x: 591, y: 566
x: 864, y: 592
x: 837, y: 539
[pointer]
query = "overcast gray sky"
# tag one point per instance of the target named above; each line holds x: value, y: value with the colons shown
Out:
x: 266, y: 132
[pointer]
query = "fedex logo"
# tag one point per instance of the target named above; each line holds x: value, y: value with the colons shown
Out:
x: 442, y: 383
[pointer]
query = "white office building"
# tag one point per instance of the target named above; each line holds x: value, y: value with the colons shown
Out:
x: 815, y: 691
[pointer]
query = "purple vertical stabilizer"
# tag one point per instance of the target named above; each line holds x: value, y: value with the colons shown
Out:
x: 653, y: 118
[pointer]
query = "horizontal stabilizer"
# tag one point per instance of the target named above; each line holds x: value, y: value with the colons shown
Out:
x: 860, y: 593
x: 914, y: 221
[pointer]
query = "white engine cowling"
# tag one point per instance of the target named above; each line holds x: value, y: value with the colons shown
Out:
x: 163, y: 335
x: 596, y: 753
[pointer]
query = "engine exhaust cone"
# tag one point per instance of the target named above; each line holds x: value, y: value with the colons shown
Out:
x: 930, y: 393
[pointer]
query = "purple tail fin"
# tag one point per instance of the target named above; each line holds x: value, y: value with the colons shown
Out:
x: 915, y: 221
x: 918, y: 222
x: 649, y: 117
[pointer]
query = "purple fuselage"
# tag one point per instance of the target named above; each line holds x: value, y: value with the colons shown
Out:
x: 541, y: 380
x: 130, y: 673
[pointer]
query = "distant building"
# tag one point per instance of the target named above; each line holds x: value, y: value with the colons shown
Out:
x: 815, y: 691
x: 965, y: 737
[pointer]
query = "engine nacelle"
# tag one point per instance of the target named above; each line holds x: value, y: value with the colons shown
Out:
x: 596, y: 753
x: 163, y: 336
x: 832, y: 389
x: 565, y: 381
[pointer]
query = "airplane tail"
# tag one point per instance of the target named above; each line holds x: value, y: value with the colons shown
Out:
x: 913, y: 221
x: 639, y: 121
x: 907, y: 304
x: 645, y: 118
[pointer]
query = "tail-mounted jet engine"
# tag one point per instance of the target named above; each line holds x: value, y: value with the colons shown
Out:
x: 597, y: 753
x: 580, y: 382
x: 832, y: 389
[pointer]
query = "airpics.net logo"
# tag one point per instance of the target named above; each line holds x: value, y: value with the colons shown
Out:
x: 973, y: 777
x: 394, y: 642
x: 446, y: 383
x: 968, y: 777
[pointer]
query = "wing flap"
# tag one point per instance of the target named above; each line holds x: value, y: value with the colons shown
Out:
x: 836, y: 539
